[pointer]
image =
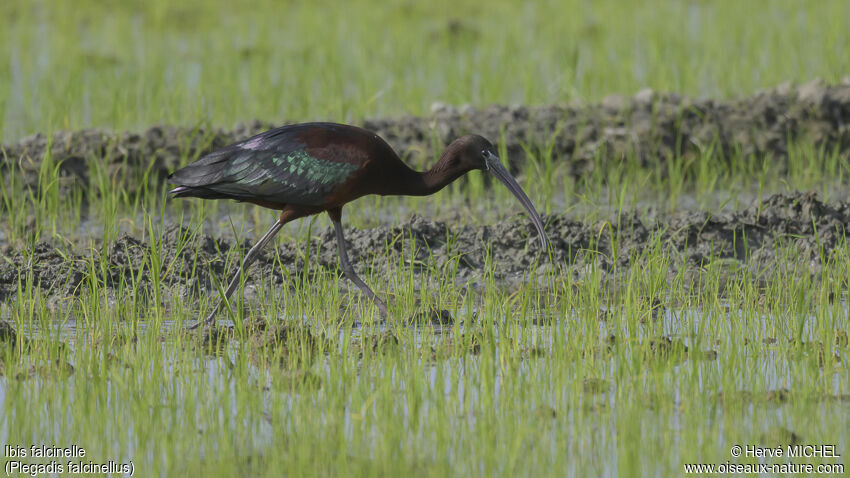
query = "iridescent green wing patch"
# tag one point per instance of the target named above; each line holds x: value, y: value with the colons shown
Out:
x: 299, y: 164
x: 295, y: 177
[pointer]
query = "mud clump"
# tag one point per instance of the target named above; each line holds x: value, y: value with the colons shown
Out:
x: 285, y: 345
x: 295, y: 380
x: 841, y: 339
x: 56, y: 369
x: 779, y: 436
x: 595, y: 386
x: 461, y: 345
x: 431, y: 316
x: 800, y: 229
x: 705, y: 355
x: 665, y: 348
x: 45, y: 267
x: 380, y: 343
x: 8, y: 336
x: 778, y: 396
x: 213, y: 340
x: 651, y: 127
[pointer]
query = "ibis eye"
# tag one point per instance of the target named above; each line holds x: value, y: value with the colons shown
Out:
x: 485, y: 153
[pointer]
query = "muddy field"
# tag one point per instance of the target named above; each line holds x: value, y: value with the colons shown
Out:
x: 748, y: 240
x: 649, y: 126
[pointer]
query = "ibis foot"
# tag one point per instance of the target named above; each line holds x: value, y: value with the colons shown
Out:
x: 246, y: 263
x: 348, y: 269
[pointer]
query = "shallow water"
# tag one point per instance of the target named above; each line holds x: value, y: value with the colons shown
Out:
x: 680, y: 325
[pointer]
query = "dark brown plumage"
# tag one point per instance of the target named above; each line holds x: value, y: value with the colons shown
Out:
x: 309, y: 168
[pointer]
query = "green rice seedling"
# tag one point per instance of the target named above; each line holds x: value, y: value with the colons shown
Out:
x: 110, y: 196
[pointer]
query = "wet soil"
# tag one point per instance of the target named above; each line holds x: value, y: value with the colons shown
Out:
x: 8, y: 336
x: 378, y: 343
x: 649, y: 126
x: 775, y: 397
x: 286, y: 345
x: 799, y: 228
x: 596, y: 386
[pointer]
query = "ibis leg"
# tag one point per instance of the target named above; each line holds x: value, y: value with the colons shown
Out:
x: 348, y: 270
x: 246, y: 263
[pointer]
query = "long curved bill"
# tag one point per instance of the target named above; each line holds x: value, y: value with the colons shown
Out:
x: 495, y: 167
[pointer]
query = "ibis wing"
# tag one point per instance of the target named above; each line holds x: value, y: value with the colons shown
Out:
x: 278, y: 166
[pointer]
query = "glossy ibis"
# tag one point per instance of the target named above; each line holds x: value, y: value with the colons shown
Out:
x: 305, y: 169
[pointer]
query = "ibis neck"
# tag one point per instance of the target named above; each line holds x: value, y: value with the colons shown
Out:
x: 429, y: 182
x: 435, y: 180
x: 405, y: 181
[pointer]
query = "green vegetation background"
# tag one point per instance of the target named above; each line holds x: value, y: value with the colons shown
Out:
x: 129, y: 64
